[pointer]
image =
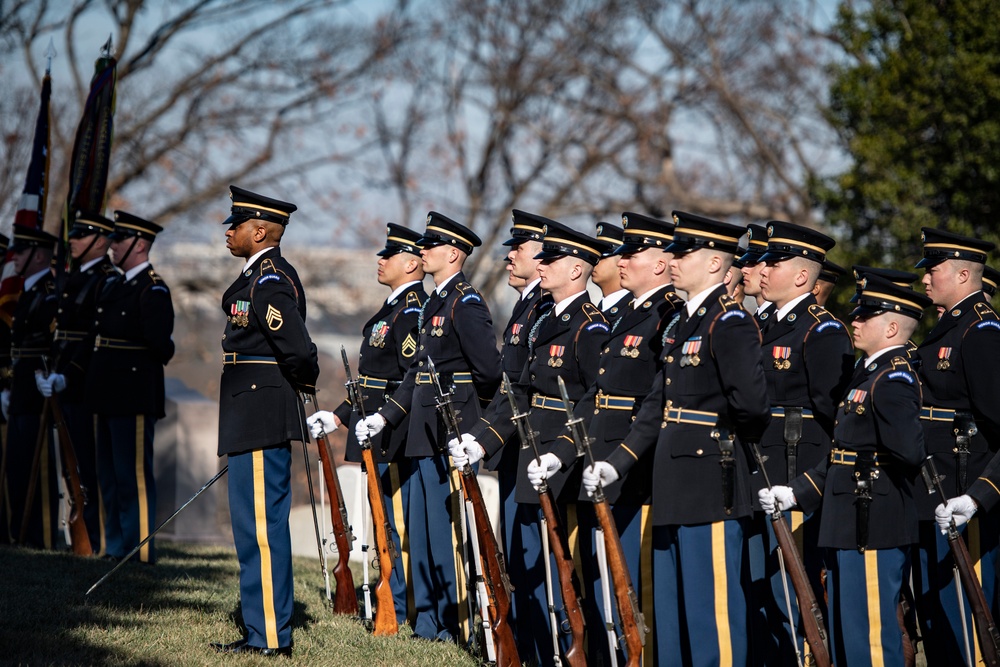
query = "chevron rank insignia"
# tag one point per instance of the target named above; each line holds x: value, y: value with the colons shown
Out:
x: 273, y: 318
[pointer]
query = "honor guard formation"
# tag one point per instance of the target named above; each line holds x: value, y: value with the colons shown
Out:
x: 684, y: 479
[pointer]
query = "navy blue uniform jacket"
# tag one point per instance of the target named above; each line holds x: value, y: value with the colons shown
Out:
x: 258, y: 403
x: 726, y: 384
x: 389, y: 345
x: 879, y: 414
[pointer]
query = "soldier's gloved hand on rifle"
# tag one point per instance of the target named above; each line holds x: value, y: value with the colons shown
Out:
x: 601, y: 472
x: 369, y: 427
x: 466, y: 452
x: 542, y: 468
x: 53, y: 384
x: 960, y: 508
x: 782, y: 496
x: 322, y: 422
x: 5, y: 403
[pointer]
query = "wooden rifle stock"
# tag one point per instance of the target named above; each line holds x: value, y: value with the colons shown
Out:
x: 633, y: 623
x: 809, y: 609
x: 494, y: 574
x: 385, y: 607
x: 79, y: 536
x: 345, y: 599
x: 986, y: 629
x: 569, y: 587
x: 491, y: 564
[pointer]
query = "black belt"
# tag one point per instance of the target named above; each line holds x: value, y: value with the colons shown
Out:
x: 117, y: 343
x: 237, y: 358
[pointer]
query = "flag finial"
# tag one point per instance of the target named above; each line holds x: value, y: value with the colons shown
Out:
x: 106, y: 49
x: 50, y: 53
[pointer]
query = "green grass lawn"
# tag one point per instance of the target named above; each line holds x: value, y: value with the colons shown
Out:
x: 168, y: 614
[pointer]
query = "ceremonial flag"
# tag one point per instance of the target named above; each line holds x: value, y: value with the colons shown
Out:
x: 31, y: 207
x: 88, y: 171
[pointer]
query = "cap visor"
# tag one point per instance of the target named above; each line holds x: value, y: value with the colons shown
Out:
x: 236, y: 219
x: 928, y: 262
x: 626, y: 248
x: 775, y: 257
x: 549, y: 254
x: 679, y: 247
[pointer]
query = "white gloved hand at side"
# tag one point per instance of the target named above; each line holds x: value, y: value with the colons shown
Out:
x: 369, y: 427
x: 5, y: 403
x: 58, y: 382
x: 542, y: 468
x: 466, y: 452
x: 782, y: 496
x: 321, y: 423
x: 601, y: 472
x: 960, y: 508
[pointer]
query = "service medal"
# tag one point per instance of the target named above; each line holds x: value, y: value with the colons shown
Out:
x: 631, y: 348
x: 690, y: 351
x: 555, y: 355
x: 377, y: 337
x: 781, y: 355
x: 515, y: 331
x: 944, y: 355
x: 240, y: 313
x: 436, y: 328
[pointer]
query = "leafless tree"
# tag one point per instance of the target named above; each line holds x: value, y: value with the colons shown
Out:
x: 210, y: 92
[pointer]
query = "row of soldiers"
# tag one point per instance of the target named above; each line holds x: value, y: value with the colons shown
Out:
x: 87, y: 350
x: 678, y: 395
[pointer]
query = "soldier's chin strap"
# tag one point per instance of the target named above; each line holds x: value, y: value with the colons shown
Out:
x: 27, y: 262
x: 135, y: 239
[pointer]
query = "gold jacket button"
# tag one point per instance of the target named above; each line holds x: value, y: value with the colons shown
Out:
x: 670, y: 358
x: 600, y: 372
x: 253, y: 386
x: 699, y: 452
x: 669, y: 381
x: 597, y: 412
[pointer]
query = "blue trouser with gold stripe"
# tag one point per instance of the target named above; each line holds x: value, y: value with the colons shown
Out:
x: 440, y: 596
x: 128, y: 490
x: 937, y: 603
x: 863, y: 593
x: 701, y: 612
x: 22, y: 438
x: 396, y: 488
x: 260, y: 499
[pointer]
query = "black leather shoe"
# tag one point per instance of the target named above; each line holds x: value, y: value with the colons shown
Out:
x: 241, y: 646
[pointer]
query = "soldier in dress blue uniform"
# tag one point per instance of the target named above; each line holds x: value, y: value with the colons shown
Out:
x: 31, y: 339
x: 565, y: 341
x: 124, y: 384
x: 456, y: 333
x: 708, y: 393
x: 756, y: 236
x: 73, y: 347
x: 268, y: 358
x: 960, y: 371
x: 614, y: 297
x: 525, y: 243
x: 895, y: 276
x: 807, y: 358
x: 5, y: 375
x: 864, y: 486
x: 829, y: 275
x: 389, y: 343
x: 628, y: 363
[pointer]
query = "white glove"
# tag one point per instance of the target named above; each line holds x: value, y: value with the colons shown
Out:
x: 369, y: 427
x: 960, y: 508
x: 601, y: 472
x: 542, y: 468
x: 782, y: 496
x: 467, y: 452
x: 322, y: 422
x: 5, y: 403
x: 57, y: 382
x: 43, y: 383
